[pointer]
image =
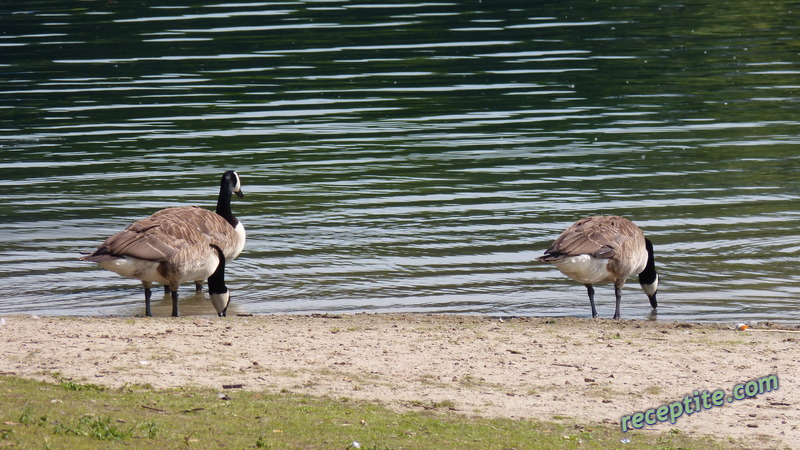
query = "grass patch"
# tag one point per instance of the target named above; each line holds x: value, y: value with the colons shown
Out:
x: 67, y: 415
x: 73, y: 386
x: 100, y: 429
x: 654, y: 390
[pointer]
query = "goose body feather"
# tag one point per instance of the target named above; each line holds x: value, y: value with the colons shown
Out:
x: 599, y: 249
x: 605, y: 249
x: 176, y: 245
x: 171, y: 247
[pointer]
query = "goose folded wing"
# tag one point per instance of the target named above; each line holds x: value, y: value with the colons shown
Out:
x: 193, y: 224
x: 142, y: 244
x: 583, y: 242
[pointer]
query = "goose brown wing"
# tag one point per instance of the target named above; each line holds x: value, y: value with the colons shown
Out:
x: 573, y: 243
x: 165, y: 233
x: 143, y: 239
x: 197, y: 225
x: 596, y: 236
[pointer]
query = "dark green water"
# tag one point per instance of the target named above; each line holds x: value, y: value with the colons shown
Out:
x: 406, y: 156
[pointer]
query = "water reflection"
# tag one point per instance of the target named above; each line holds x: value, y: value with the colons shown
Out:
x: 406, y: 157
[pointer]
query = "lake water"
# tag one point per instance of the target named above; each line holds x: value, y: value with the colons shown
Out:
x: 405, y: 157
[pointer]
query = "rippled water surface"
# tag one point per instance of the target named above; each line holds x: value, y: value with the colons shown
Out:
x: 406, y: 156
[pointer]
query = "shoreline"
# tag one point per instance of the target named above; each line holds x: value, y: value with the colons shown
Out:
x: 590, y: 370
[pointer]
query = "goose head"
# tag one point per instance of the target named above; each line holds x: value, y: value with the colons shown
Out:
x: 232, y: 182
x: 221, y: 301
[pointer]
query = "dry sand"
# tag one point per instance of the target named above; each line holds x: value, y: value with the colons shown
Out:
x: 589, y: 370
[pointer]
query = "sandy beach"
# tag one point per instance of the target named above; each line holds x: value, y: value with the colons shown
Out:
x: 593, y: 371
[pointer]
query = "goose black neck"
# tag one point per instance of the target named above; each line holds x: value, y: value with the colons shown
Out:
x: 216, y: 282
x: 649, y: 275
x: 224, y: 202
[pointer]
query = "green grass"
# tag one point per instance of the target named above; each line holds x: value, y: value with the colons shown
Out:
x: 72, y: 415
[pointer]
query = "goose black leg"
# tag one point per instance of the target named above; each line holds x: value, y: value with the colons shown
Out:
x: 147, y: 294
x: 175, y: 303
x: 618, y: 294
x: 590, y: 290
x: 198, y: 287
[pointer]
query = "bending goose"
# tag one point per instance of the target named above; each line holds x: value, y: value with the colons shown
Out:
x: 176, y: 245
x: 605, y: 249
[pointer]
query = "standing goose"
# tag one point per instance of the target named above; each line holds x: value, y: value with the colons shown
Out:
x: 176, y: 245
x: 605, y: 249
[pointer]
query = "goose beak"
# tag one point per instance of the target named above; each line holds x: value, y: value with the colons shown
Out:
x: 239, y: 193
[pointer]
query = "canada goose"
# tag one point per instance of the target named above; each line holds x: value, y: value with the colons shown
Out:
x: 605, y: 249
x: 176, y: 245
